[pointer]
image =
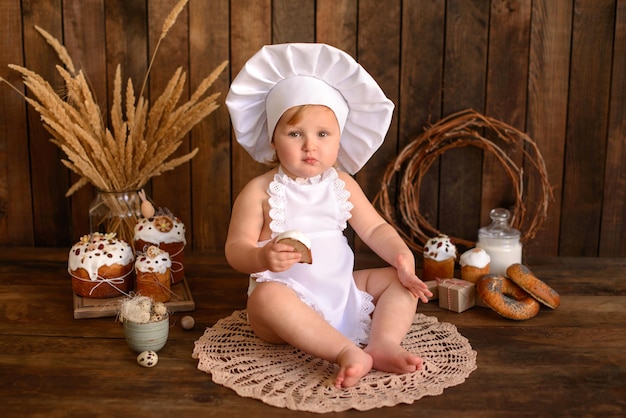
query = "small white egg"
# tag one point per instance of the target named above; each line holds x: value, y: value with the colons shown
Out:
x: 148, y: 358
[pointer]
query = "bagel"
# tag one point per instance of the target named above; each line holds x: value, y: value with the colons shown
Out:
x: 524, y: 278
x: 506, y: 298
x: 299, y: 242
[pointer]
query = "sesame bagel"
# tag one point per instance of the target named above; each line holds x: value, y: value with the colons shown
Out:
x: 506, y: 298
x: 524, y: 278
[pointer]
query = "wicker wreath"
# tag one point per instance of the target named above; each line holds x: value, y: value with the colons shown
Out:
x: 455, y: 131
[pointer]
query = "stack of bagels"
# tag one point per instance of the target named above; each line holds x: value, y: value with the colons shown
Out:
x: 517, y: 296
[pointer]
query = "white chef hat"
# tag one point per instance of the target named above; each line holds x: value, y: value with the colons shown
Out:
x: 279, y: 77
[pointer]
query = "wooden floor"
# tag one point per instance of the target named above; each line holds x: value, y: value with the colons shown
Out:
x: 567, y: 362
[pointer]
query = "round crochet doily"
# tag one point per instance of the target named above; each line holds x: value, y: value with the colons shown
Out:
x: 286, y: 377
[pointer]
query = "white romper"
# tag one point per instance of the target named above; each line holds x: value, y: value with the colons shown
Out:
x: 319, y: 208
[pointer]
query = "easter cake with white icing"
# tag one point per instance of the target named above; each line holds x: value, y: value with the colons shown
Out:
x: 152, y: 271
x: 166, y: 232
x: 101, y: 266
x: 439, y: 258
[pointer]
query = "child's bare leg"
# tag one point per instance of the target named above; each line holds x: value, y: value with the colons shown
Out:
x: 391, y: 320
x: 278, y: 316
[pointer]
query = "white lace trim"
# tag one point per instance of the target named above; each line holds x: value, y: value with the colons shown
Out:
x: 345, y: 206
x: 365, y: 319
x: 277, y: 200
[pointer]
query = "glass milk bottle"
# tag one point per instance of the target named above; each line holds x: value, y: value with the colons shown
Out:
x: 500, y: 241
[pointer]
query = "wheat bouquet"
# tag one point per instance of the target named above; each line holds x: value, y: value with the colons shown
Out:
x: 141, y: 140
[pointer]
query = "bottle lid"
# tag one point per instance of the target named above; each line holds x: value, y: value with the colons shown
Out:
x: 500, y: 227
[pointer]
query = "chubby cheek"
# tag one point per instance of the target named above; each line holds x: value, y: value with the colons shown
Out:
x: 288, y: 155
x: 333, y: 152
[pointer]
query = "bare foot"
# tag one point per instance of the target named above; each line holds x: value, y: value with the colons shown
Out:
x: 354, y: 363
x: 392, y: 358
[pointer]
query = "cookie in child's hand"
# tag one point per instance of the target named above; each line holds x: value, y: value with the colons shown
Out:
x: 299, y: 242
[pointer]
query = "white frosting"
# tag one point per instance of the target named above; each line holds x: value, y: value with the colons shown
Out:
x: 297, y: 235
x: 97, y: 250
x: 166, y: 229
x: 154, y: 260
x: 476, y: 257
x: 439, y: 248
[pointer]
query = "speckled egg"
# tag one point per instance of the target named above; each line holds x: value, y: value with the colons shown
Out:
x: 148, y: 358
x: 187, y: 322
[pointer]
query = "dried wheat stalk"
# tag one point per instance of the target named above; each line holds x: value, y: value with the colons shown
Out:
x: 141, y: 140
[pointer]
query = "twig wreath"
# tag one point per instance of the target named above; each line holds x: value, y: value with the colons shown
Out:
x: 462, y: 129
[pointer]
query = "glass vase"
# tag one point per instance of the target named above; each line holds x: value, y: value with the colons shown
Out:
x: 115, y: 212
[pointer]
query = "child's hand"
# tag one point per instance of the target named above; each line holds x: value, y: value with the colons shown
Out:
x: 279, y: 257
x: 408, y: 278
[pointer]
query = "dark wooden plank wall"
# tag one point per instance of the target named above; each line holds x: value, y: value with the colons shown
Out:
x: 552, y: 68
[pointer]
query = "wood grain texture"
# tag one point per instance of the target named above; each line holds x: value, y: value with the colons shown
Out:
x: 548, y: 85
x: 16, y: 224
x: 576, y: 351
x: 507, y: 78
x: 126, y: 42
x: 586, y: 141
x: 250, y: 29
x: 421, y: 86
x: 49, y: 179
x: 467, y: 28
x: 210, y: 169
x: 293, y: 21
x: 84, y: 33
x: 336, y: 24
x: 552, y: 68
x: 613, y: 230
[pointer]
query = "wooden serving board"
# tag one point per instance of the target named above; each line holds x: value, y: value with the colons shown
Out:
x: 181, y: 301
